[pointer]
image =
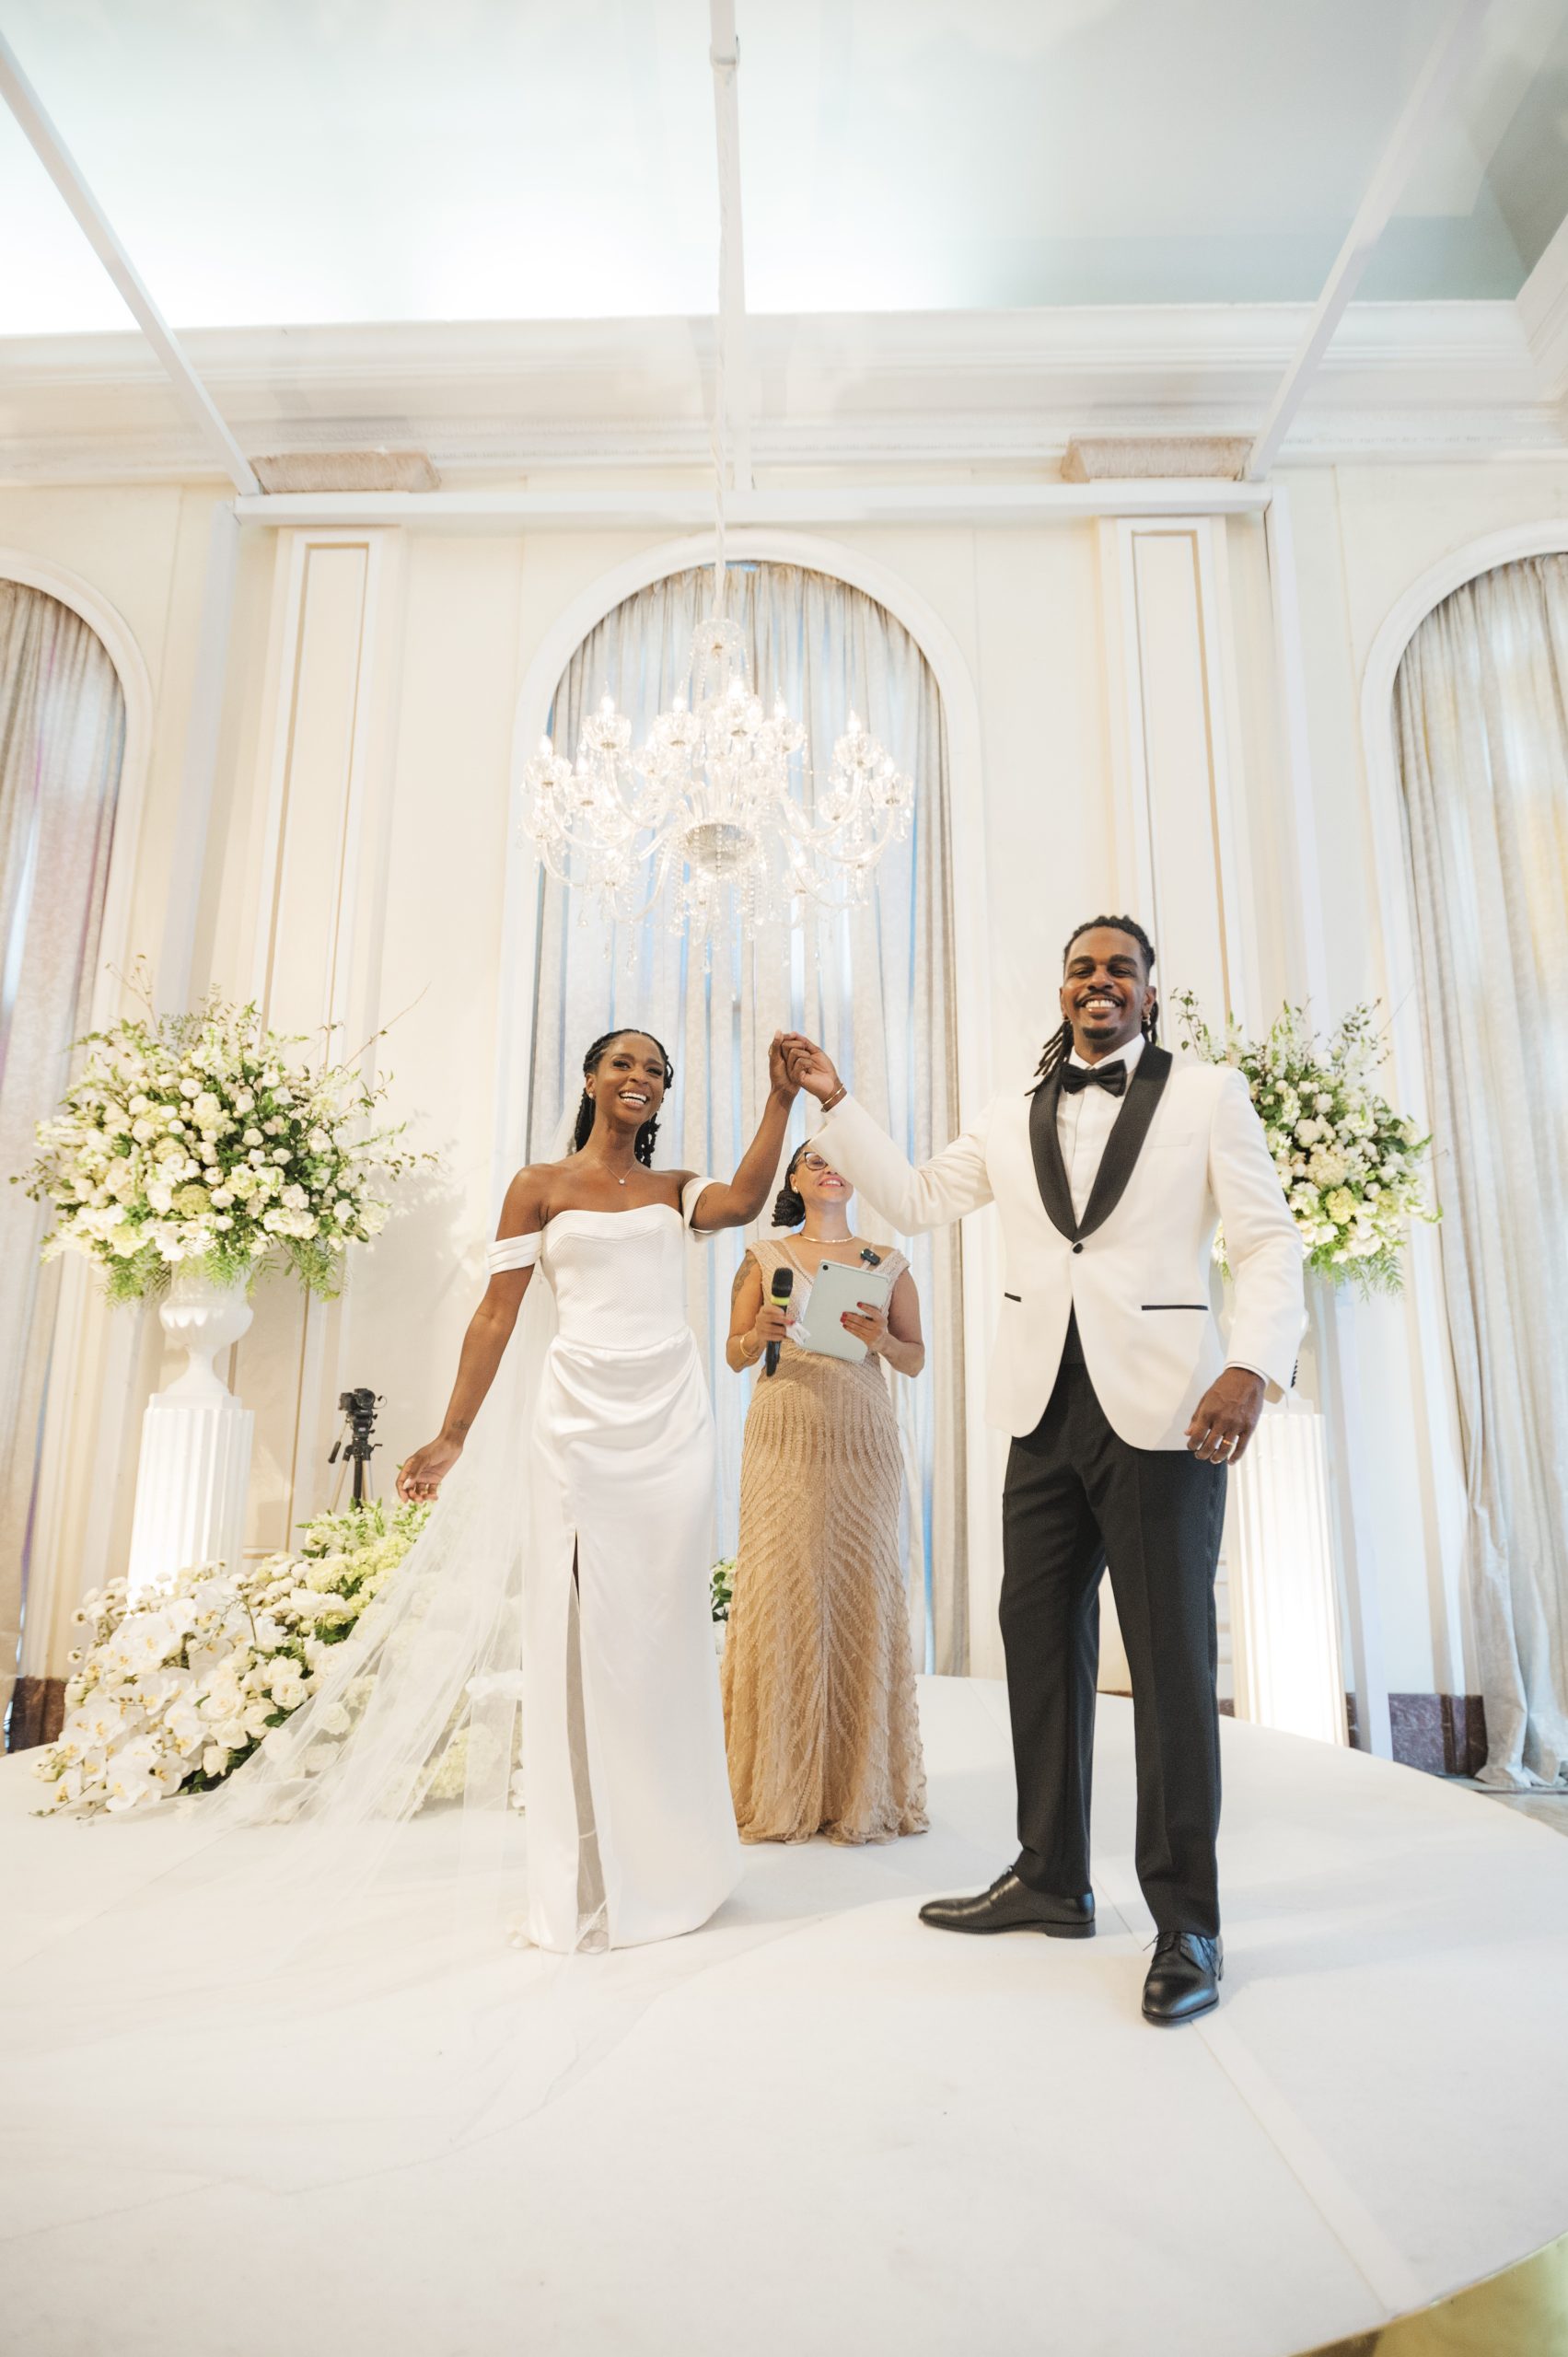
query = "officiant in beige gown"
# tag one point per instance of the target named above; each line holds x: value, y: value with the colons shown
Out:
x: 818, y: 1677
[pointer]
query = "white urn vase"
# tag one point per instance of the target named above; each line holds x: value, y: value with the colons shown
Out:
x: 195, y: 1463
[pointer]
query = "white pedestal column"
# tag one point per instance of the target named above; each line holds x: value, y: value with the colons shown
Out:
x: 195, y: 1462
x: 1284, y: 1608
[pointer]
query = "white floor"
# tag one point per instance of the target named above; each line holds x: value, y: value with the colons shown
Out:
x: 816, y: 2127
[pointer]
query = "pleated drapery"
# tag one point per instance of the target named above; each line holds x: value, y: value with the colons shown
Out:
x: 873, y: 982
x: 1482, y: 710
x: 61, y: 741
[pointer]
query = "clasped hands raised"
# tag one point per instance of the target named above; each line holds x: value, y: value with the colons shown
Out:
x: 807, y: 1065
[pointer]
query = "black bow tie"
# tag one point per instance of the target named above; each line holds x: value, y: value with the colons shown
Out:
x: 1111, y: 1077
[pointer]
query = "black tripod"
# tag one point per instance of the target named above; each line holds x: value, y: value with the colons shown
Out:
x: 354, y: 1441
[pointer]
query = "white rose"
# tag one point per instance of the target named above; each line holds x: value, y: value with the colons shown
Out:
x: 252, y: 1137
x: 215, y: 1759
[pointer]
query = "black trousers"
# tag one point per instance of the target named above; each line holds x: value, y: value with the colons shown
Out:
x: 1075, y: 1495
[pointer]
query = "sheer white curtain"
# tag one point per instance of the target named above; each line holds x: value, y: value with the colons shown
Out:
x: 874, y: 983
x: 62, y: 738
x: 1481, y: 705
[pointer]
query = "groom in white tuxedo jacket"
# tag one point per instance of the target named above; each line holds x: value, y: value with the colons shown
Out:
x: 1126, y: 1407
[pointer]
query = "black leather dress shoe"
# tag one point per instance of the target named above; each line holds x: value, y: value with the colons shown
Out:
x: 1011, y: 1906
x: 1184, y: 1979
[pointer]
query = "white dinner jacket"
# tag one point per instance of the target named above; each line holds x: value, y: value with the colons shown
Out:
x: 1187, y: 1151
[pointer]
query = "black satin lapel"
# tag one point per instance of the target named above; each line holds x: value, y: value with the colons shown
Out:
x: 1125, y: 1143
x: 1050, y: 1171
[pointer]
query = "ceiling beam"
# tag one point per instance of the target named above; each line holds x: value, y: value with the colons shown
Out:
x: 734, y: 353
x: 61, y: 165
x: 1446, y: 60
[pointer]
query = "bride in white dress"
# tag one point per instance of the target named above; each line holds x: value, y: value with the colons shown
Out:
x: 631, y: 1831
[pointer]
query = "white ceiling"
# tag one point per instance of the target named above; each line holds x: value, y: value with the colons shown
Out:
x: 318, y: 161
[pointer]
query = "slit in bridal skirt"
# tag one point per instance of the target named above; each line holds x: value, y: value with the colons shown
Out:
x: 593, y: 1913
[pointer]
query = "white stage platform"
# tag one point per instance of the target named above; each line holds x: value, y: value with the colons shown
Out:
x: 816, y: 2127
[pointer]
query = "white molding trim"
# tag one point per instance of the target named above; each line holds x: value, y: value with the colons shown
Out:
x: 1401, y: 380
x: 1542, y: 306
x: 960, y: 705
x: 637, y: 506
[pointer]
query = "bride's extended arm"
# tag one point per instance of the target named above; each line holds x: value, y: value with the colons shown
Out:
x: 488, y: 1331
x: 739, y: 1200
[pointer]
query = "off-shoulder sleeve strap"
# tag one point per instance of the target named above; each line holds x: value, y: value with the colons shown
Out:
x: 514, y: 1252
x: 690, y: 1196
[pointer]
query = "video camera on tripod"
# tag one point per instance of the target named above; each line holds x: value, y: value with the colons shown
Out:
x: 353, y: 1443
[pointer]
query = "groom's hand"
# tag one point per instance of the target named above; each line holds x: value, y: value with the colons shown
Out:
x: 808, y: 1067
x: 1226, y: 1417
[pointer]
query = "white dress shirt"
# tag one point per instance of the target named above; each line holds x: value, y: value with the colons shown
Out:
x: 1085, y: 1121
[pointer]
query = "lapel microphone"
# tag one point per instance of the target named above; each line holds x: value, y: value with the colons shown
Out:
x: 872, y: 1259
x: 783, y: 1286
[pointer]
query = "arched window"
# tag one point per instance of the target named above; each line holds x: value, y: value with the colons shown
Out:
x: 62, y: 747
x: 1481, y: 716
x: 873, y: 982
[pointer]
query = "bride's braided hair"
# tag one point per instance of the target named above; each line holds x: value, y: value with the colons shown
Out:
x: 644, y: 1149
x: 1060, y: 1042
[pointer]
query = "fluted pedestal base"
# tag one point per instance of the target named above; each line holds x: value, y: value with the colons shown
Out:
x: 195, y: 1463
x: 191, y: 1487
x: 1283, y: 1603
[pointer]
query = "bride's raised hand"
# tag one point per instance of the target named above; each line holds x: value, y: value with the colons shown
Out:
x: 782, y: 1082
x: 420, y: 1476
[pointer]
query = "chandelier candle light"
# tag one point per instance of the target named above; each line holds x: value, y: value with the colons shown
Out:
x: 718, y: 805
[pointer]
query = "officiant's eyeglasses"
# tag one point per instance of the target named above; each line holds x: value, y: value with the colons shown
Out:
x: 814, y: 1163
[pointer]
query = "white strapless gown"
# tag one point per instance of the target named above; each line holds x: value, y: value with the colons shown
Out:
x: 631, y: 1831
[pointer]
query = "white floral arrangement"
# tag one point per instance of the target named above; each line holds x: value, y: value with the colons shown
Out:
x: 721, y: 1588
x: 1349, y: 1164
x: 173, y: 1693
x: 203, y: 1137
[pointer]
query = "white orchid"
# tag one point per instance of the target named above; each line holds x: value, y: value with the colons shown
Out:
x: 179, y: 1688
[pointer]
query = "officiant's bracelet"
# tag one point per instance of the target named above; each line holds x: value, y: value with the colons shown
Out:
x: 836, y: 1098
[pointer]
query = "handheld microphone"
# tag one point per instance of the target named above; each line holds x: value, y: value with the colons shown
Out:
x: 783, y: 1286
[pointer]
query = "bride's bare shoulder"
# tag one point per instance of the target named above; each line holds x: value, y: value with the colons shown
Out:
x: 526, y: 1197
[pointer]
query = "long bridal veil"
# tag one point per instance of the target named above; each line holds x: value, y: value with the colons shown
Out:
x: 374, y: 1834
x: 319, y: 1951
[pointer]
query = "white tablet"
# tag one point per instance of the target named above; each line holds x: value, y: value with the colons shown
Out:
x: 839, y: 1285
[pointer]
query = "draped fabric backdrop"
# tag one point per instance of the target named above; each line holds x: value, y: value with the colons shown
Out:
x: 1481, y: 703
x: 62, y: 738
x: 873, y: 982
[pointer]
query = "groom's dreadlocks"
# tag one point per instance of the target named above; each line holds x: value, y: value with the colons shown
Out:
x: 1060, y: 1042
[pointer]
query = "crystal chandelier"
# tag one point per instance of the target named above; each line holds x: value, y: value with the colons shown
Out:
x: 719, y: 809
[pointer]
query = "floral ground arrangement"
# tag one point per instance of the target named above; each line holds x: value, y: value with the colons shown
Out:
x: 1349, y: 1164
x: 173, y: 1693
x: 205, y: 1138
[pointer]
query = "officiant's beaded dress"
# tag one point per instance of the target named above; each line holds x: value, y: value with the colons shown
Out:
x: 818, y: 1679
